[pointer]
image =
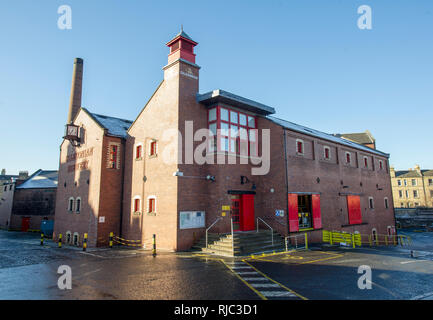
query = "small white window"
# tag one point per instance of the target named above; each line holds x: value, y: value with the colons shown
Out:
x: 251, y: 122
x: 405, y: 182
x: 365, y: 162
x: 233, y: 117
x: 138, y: 151
x: 71, y: 204
x: 136, y: 204
x: 242, y: 119
x: 371, y: 203
x: 151, y: 204
x: 415, y: 194
x: 76, y: 239
x: 299, y: 146
x: 407, y: 194
x: 78, y: 205
x: 327, y: 153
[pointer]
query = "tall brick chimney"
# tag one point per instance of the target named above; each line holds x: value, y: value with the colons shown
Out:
x: 77, y: 85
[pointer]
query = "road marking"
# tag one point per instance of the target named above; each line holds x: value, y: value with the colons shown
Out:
x: 412, y: 261
x: 255, y: 279
x: 265, y: 285
x: 422, y: 296
x: 277, y: 294
x: 247, y: 273
x: 241, y: 267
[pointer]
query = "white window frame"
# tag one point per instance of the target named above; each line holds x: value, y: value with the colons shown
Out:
x: 303, y: 147
x: 71, y: 207
x: 405, y: 182
x: 147, y: 204
x: 68, y: 233
x: 78, y: 239
x: 133, y: 204
x: 373, y: 233
x: 365, y: 158
x: 75, y: 206
x: 400, y: 194
x: 150, y: 148
x: 406, y: 193
x: 371, y: 203
x: 350, y: 157
x: 324, y: 152
x: 417, y: 194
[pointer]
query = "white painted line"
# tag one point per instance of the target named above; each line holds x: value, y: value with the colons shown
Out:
x: 277, y: 294
x: 255, y: 279
x: 265, y: 285
x: 412, y: 261
x: 423, y: 296
x: 247, y: 273
x: 243, y: 267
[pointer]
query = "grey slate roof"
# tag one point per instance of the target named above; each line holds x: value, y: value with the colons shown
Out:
x: 41, y: 179
x: 115, y: 126
x: 222, y: 96
x: 413, y: 173
x: 322, y: 135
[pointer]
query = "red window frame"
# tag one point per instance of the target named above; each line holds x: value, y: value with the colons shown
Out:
x: 151, y: 205
x: 137, y: 205
x: 138, y: 151
x: 380, y: 164
x: 236, y: 141
x: 153, y: 148
x: 113, y: 156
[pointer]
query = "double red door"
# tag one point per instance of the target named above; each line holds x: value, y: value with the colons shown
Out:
x: 25, y: 223
x: 242, y: 210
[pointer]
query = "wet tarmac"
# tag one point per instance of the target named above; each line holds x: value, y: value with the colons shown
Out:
x: 29, y: 271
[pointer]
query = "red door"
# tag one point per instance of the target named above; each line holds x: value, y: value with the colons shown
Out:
x: 25, y: 223
x: 354, y: 209
x: 236, y: 213
x: 247, y: 212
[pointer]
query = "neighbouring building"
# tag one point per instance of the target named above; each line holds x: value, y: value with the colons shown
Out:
x: 161, y: 175
x: 29, y: 201
x: 412, y: 188
x: 365, y: 138
x: 11, y: 178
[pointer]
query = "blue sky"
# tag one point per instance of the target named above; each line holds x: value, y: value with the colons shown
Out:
x: 308, y: 59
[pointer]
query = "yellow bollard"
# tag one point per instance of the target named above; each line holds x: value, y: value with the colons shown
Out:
x: 369, y: 240
x: 393, y: 237
x: 353, y: 240
x: 154, y: 245
x: 60, y: 240
x: 110, y: 242
x: 386, y: 240
x: 330, y: 237
x: 42, y: 239
x: 85, y: 242
x: 306, y: 241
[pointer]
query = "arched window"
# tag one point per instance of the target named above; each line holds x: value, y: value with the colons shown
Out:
x: 299, y: 146
x: 68, y: 237
x: 71, y: 204
x: 78, y: 205
x: 370, y: 202
x: 139, y: 151
x: 386, y: 203
x: 76, y: 239
x: 365, y: 162
x: 374, y: 235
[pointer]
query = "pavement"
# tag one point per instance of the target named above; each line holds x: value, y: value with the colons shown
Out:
x: 29, y: 271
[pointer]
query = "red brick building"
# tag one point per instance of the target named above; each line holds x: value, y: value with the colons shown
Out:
x: 162, y: 175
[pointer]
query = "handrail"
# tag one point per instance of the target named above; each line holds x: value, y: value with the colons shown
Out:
x: 233, y: 240
x: 272, y: 230
x: 218, y: 219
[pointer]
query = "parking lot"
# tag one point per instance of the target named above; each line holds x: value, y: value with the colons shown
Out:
x: 29, y: 271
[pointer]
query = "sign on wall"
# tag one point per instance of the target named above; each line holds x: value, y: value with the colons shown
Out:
x: 191, y: 219
x: 279, y: 213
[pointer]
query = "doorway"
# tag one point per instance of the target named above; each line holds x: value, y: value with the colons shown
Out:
x: 25, y: 223
x: 242, y: 212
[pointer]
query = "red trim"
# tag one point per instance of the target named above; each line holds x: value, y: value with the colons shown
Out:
x: 247, y: 212
x: 317, y: 218
x: 293, y: 212
x: 354, y: 209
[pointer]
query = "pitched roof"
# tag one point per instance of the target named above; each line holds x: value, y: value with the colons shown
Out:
x: 41, y: 179
x: 322, y: 135
x: 115, y: 126
x: 413, y: 173
x: 361, y: 137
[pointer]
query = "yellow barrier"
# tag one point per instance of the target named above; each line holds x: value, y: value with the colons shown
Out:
x: 357, y: 239
x: 123, y: 242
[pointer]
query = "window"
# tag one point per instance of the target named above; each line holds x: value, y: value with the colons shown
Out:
x: 153, y: 148
x: 380, y: 164
x: 386, y: 203
x: 400, y: 193
x: 365, y: 162
x: 304, y: 211
x: 430, y: 182
x: 399, y: 182
x: 407, y: 193
x: 71, y: 204
x: 78, y: 205
x: 233, y: 132
x: 68, y: 237
x: 136, y: 204
x: 76, y: 239
x: 405, y: 182
x: 10, y: 187
x: 151, y: 204
x: 415, y: 194
x: 327, y: 153
x: 299, y: 146
x: 371, y: 203
x: 138, y: 151
x: 413, y: 182
x: 348, y: 157
x: 6, y: 188
x: 113, y: 156
x: 416, y: 204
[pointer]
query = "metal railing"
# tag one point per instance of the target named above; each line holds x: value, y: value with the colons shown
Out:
x: 272, y: 230
x: 218, y: 219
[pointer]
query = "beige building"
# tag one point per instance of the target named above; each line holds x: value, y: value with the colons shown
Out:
x: 412, y: 188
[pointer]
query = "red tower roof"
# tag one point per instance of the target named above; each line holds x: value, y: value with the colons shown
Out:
x: 181, y: 47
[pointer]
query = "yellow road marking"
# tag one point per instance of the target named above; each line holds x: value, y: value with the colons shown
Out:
x: 323, y: 259
x: 283, y: 286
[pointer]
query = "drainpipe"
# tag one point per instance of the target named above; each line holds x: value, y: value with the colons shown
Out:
x: 287, y: 181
